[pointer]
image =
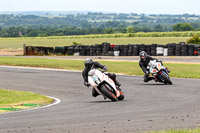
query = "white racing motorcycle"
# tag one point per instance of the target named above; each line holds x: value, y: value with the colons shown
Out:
x: 104, y: 85
x: 159, y: 72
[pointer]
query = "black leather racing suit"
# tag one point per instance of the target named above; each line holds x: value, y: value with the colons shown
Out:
x: 143, y: 64
x: 96, y: 65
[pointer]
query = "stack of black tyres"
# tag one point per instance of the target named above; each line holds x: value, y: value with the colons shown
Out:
x: 116, y: 48
x: 94, y: 50
x: 184, y: 50
x: 106, y: 48
x: 190, y: 50
x: 148, y: 49
x: 130, y: 49
x: 178, y: 49
x: 142, y: 47
x: 121, y: 49
x: 171, y: 49
x: 71, y: 50
x: 199, y: 50
x: 126, y: 47
x: 111, y: 50
x: 99, y: 49
x: 196, y: 50
x: 91, y: 50
x: 136, y: 50
x: 87, y: 50
x: 59, y: 50
x: 77, y: 49
x: 153, y: 49
x: 66, y: 50
x: 82, y: 50
x: 110, y: 53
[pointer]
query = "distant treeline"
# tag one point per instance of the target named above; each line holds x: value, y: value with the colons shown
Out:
x: 94, y: 23
x: 20, y: 31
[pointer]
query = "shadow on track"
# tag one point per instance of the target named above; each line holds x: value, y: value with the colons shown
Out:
x: 153, y: 84
x: 106, y: 101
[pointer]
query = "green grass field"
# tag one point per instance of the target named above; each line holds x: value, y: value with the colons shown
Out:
x: 129, y: 68
x: 10, y: 98
x: 61, y: 41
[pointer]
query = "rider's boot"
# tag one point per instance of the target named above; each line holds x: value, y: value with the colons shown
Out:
x: 117, y: 83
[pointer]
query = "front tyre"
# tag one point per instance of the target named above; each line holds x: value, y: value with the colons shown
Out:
x: 166, y: 79
x: 106, y: 91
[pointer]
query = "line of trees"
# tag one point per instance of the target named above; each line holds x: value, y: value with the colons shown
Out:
x: 19, y: 31
x: 186, y: 27
x: 94, y: 23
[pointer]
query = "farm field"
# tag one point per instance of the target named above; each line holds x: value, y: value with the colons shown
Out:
x: 50, y: 41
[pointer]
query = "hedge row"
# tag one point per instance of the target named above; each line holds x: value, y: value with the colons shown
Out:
x: 107, y: 49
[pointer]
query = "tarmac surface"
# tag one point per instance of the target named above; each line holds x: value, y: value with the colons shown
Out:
x: 146, y: 107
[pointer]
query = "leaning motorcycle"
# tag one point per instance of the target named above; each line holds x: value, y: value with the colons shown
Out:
x: 104, y: 85
x: 159, y: 72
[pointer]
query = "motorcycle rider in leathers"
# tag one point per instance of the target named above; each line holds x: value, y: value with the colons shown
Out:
x: 144, y: 61
x: 89, y: 64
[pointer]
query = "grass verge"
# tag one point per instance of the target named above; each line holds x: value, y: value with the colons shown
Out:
x: 179, y: 131
x: 180, y: 70
x: 9, y: 98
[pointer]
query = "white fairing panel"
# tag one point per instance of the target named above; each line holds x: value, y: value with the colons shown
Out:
x: 91, y: 81
x: 154, y: 66
x: 97, y: 75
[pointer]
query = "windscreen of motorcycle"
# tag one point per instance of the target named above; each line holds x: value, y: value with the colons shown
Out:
x: 91, y: 72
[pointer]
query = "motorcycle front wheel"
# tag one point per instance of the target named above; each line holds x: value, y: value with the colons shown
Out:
x: 106, y: 91
x: 166, y: 79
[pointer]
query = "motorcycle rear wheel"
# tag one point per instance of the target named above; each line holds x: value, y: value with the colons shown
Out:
x: 105, y: 90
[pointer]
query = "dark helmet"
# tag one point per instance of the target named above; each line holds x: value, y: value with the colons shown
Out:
x: 143, y: 55
x: 89, y: 63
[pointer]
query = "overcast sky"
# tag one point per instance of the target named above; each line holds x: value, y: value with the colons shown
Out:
x: 124, y: 6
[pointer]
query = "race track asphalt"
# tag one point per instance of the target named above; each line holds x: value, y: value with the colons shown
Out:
x: 146, y: 107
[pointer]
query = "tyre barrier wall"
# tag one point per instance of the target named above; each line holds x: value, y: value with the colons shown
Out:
x: 107, y: 49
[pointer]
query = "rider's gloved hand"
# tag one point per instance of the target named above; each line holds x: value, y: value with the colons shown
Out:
x: 86, y: 83
x: 105, y: 68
